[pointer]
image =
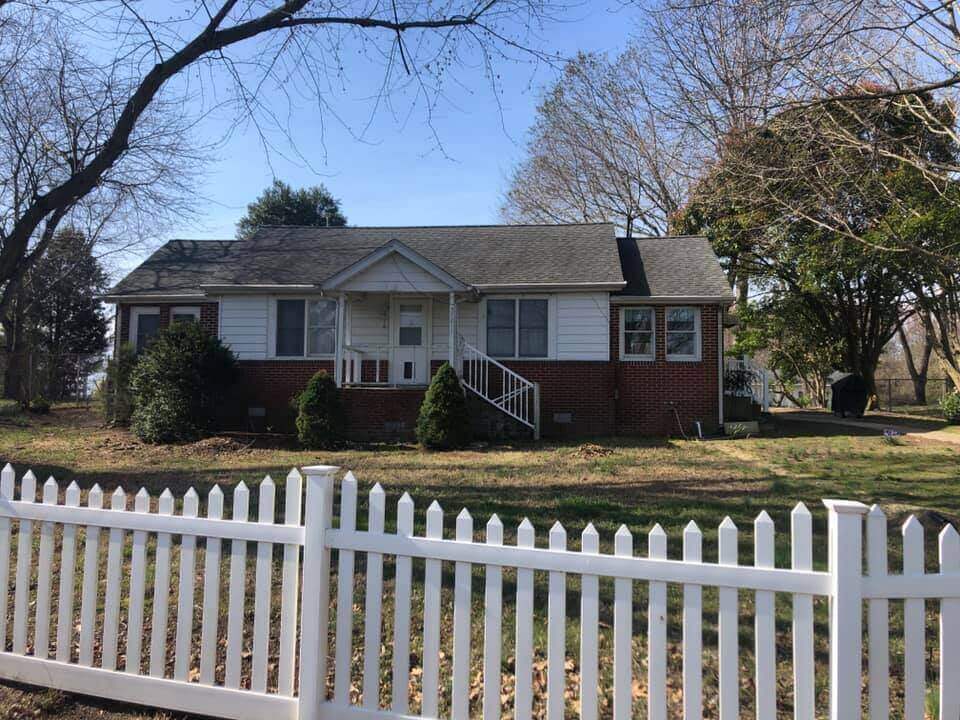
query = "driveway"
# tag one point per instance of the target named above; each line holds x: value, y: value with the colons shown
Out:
x: 877, y: 421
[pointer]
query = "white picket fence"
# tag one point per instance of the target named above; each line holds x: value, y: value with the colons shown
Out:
x: 264, y: 685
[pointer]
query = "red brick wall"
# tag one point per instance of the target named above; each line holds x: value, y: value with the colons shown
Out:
x: 209, y: 317
x: 650, y: 391
x: 381, y: 414
x: 272, y: 384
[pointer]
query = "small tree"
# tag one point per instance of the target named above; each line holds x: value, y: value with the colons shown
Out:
x: 320, y: 416
x: 444, y: 423
x: 280, y: 204
x: 116, y: 397
x: 180, y: 383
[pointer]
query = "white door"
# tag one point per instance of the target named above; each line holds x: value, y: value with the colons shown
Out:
x: 411, y: 341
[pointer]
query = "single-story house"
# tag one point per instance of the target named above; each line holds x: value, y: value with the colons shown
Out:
x: 559, y: 330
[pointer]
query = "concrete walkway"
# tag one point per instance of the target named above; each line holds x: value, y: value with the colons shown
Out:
x: 919, y: 429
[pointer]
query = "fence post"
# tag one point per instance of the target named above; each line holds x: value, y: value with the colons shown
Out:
x: 846, y: 606
x: 315, y: 603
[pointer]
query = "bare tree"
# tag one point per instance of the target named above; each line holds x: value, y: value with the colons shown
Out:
x: 108, y: 141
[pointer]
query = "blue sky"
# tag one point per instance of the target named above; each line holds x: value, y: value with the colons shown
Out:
x: 397, y: 177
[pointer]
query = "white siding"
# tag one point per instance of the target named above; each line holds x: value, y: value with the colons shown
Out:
x: 583, y: 326
x: 243, y: 326
x: 468, y: 314
x: 441, y: 338
x: 394, y: 273
x: 370, y: 320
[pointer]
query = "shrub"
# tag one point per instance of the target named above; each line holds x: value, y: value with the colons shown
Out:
x: 180, y: 383
x: 444, y: 423
x: 39, y: 405
x: 114, y: 393
x: 320, y: 416
x: 950, y: 407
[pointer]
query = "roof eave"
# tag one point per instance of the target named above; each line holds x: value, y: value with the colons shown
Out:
x: 521, y: 287
x: 673, y: 299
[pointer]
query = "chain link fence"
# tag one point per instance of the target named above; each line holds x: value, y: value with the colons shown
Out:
x: 898, y: 393
x: 68, y: 377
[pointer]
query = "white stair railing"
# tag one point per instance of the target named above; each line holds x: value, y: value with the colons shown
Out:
x: 500, y: 386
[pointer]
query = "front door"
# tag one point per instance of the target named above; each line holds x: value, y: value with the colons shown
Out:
x: 411, y: 341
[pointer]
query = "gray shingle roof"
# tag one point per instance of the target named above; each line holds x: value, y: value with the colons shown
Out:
x: 680, y: 266
x: 477, y: 255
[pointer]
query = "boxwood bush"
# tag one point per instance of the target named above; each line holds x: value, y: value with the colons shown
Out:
x: 950, y: 407
x: 180, y: 383
x: 116, y: 399
x: 444, y: 422
x: 320, y: 417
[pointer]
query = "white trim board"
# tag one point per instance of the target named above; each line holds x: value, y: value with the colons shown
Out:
x: 394, y: 247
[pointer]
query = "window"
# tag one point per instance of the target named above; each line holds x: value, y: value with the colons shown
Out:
x: 185, y: 314
x: 683, y: 333
x: 144, y: 326
x: 411, y: 326
x: 306, y: 325
x: 322, y: 328
x: 637, y: 333
x: 517, y: 328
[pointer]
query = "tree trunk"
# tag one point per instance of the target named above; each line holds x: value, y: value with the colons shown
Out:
x: 918, y: 371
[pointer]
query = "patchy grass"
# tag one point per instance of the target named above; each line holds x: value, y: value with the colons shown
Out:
x: 636, y: 482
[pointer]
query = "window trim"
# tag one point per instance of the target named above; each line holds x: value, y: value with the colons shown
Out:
x: 272, y: 328
x: 185, y: 310
x: 135, y: 313
x: 697, y: 335
x: 516, y: 327
x: 624, y: 355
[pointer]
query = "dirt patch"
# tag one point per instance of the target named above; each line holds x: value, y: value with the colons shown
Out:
x: 589, y: 451
x: 216, y: 445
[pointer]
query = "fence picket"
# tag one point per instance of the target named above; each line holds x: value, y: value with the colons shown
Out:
x: 8, y: 477
x: 373, y: 606
x: 401, y: 615
x: 878, y: 619
x: 41, y: 631
x: 432, y: 580
x: 161, y: 593
x: 290, y: 587
x: 89, y: 591
x: 693, y: 628
x: 657, y: 631
x: 460, y: 697
x: 556, y: 630
x: 263, y: 582
x: 344, y: 638
x: 589, y: 622
x: 68, y: 561
x: 211, y: 593
x: 765, y: 633
x: 111, y: 596
x: 914, y: 645
x: 21, y: 598
x: 492, y: 626
x: 623, y: 632
x: 237, y: 591
x: 801, y: 528
x: 729, y: 649
x: 138, y: 582
x: 949, y: 545
x: 523, y: 669
x: 186, y: 597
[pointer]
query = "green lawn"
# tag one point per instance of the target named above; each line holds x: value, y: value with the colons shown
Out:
x: 636, y: 482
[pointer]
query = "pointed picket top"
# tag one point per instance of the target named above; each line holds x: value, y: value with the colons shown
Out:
x: 434, y: 508
x: 405, y: 499
x: 623, y: 531
x: 912, y: 527
x: 623, y: 541
x: 526, y: 535
x: 165, y: 504
x: 215, y: 495
x: 949, y: 543
x: 494, y: 531
x: 350, y: 477
x: 241, y: 501
x: 558, y: 536
x: 727, y: 543
x: 141, y: 502
x: 118, y: 500
x: 50, y: 491
x: 464, y: 526
x: 28, y: 487
x: 657, y: 531
x: 525, y: 524
x: 72, y: 495
x: 405, y: 515
x: 294, y: 476
x: 434, y: 520
x: 7, y: 479
x: 876, y: 511
x: 95, y: 497
x: 266, y: 505
x: 691, y: 528
x: 377, y: 489
x: 692, y: 543
x: 267, y: 480
x: 728, y: 524
x: 763, y: 519
x: 191, y: 503
x: 293, y: 498
x: 590, y: 539
x: 801, y: 510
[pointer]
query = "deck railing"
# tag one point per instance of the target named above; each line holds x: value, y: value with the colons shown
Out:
x: 500, y: 386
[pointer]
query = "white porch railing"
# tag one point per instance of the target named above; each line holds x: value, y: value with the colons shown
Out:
x: 759, y: 388
x: 353, y: 357
x: 500, y: 386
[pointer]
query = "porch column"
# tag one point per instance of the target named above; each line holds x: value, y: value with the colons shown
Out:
x: 338, y: 345
x: 452, y: 334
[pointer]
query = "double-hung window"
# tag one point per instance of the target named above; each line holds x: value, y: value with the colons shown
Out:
x: 144, y: 326
x: 517, y: 327
x: 637, y: 334
x: 682, y: 325
x: 185, y: 314
x: 306, y: 328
